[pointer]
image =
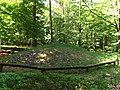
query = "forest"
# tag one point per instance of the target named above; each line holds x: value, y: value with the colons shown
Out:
x: 85, y: 23
x: 61, y: 38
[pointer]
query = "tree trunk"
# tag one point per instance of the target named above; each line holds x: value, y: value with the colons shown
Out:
x: 105, y: 40
x: 118, y: 26
x: 51, y: 21
x: 79, y: 40
x: 34, y: 41
x: 101, y: 43
x: 80, y: 28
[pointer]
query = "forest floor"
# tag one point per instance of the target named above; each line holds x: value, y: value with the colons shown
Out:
x: 98, y: 78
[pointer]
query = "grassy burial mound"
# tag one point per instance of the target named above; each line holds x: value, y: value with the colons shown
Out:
x: 102, y: 78
x: 56, y: 56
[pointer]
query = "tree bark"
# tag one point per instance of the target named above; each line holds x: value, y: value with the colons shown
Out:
x: 50, y: 14
x: 101, y: 43
x: 118, y: 26
x: 80, y: 25
x: 34, y: 41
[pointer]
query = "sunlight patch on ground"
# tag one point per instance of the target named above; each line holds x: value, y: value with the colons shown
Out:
x: 41, y: 58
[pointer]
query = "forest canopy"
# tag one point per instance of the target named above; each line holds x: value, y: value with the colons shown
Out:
x: 86, y: 23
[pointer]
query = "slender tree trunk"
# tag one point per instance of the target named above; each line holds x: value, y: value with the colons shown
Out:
x: 80, y: 26
x: 34, y: 41
x: 105, y: 40
x: 118, y: 46
x: 0, y: 44
x: 118, y: 26
x: 63, y: 23
x: 94, y: 40
x: 119, y: 13
x: 101, y: 44
x: 50, y: 14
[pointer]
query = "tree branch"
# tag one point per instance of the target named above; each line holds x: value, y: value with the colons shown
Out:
x: 98, y: 15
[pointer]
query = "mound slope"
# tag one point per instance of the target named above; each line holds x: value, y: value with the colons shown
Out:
x: 52, y: 57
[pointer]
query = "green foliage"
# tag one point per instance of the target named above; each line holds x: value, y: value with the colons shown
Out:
x: 54, y: 81
x: 36, y: 81
x: 17, y: 21
x: 90, y: 24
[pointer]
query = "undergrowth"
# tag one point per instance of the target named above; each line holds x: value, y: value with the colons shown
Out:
x: 56, y: 81
x: 98, y: 78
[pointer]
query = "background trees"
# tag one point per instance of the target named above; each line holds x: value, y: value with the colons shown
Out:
x: 18, y: 21
x: 86, y: 23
